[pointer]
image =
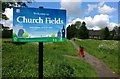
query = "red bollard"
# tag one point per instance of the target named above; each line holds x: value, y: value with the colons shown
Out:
x: 82, y: 52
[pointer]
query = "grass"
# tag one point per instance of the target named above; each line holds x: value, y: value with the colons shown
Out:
x: 105, y: 50
x: 21, y: 60
x: 56, y: 65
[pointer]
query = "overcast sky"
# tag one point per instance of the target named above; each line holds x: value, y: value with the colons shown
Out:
x: 97, y: 15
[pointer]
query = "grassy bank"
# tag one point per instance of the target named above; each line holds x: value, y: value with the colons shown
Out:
x: 55, y: 64
x: 21, y: 60
x: 105, y: 50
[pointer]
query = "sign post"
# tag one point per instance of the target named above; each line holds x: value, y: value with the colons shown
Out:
x: 40, y: 73
x: 40, y: 60
x: 39, y: 25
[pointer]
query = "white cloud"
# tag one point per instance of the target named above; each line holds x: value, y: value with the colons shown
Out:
x: 73, y: 21
x: 89, y: 21
x: 101, y: 7
x: 7, y: 23
x: 91, y: 8
x: 101, y: 20
x: 9, y: 13
x: 77, y: 19
x: 97, y: 22
x: 73, y: 8
x: 95, y: 28
x: 112, y: 25
x: 101, y: 4
x: 106, y: 9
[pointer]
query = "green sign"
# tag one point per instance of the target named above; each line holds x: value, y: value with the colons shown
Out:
x: 39, y: 25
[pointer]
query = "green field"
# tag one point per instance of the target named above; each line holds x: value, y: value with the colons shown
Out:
x: 21, y: 60
x: 55, y: 64
x: 105, y: 50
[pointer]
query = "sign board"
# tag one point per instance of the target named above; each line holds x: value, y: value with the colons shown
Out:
x: 39, y: 25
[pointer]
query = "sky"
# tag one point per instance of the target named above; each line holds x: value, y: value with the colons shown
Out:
x: 97, y: 15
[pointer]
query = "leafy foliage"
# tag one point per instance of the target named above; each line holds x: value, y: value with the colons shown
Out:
x: 53, y: 35
x: 10, y: 4
x: 83, y: 31
x: 115, y: 33
x: 71, y: 31
x: 105, y: 34
x: 77, y: 30
x: 4, y: 17
x: 7, y: 34
x: 25, y: 35
x: 77, y: 24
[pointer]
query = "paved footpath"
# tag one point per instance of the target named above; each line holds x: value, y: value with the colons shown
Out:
x: 101, y: 69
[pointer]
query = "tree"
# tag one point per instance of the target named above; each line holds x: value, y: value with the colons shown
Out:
x: 119, y: 33
x: 11, y: 5
x: 25, y: 35
x: 6, y: 32
x: 53, y: 35
x: 4, y: 17
x: 112, y: 34
x: 77, y: 24
x: 105, y: 34
x: 115, y: 33
x: 68, y: 32
x: 83, y: 31
x: 71, y: 31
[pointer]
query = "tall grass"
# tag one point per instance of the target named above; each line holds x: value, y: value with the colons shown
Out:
x: 21, y: 60
x: 105, y: 50
x: 57, y: 65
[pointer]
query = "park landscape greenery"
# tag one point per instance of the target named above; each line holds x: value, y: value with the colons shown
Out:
x: 21, y: 59
x: 105, y: 50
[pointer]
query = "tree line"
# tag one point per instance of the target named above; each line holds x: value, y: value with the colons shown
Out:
x: 110, y: 35
x: 79, y: 30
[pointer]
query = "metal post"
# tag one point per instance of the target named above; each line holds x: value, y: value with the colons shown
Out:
x: 40, y: 60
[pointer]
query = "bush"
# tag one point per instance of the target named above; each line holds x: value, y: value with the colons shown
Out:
x: 7, y: 34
